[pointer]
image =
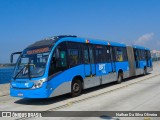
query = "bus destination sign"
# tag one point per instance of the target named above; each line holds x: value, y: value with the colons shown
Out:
x: 39, y: 50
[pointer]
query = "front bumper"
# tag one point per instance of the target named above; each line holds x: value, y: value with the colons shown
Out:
x: 41, y: 92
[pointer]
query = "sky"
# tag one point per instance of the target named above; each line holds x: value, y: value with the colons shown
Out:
x: 22, y: 22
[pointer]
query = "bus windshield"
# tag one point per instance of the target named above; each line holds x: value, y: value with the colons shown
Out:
x: 32, y: 63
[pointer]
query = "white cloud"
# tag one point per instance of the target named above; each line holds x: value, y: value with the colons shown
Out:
x: 144, y: 38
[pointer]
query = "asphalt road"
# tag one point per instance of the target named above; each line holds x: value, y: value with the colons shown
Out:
x: 140, y: 93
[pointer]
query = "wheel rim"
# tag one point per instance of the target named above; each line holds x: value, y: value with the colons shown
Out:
x: 76, y: 87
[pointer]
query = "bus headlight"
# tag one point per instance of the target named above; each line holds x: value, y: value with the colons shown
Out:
x: 38, y: 84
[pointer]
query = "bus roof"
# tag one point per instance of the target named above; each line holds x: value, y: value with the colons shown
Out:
x: 92, y: 41
x: 52, y: 40
x: 140, y: 47
x: 48, y: 41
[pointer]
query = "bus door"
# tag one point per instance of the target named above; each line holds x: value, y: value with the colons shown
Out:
x: 89, y: 66
x: 148, y: 57
x: 113, y: 59
x: 136, y: 55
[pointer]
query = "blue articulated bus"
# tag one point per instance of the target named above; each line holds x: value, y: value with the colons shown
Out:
x: 68, y: 64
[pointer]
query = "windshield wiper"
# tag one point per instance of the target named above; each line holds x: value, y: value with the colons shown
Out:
x: 19, y: 72
x: 29, y: 72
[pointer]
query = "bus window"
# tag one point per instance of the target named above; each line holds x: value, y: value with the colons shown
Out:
x: 125, y: 56
x: 108, y: 54
x: 73, y: 54
x: 136, y: 54
x: 139, y: 55
x: 148, y: 55
x: 73, y: 57
x: 119, y: 54
x: 59, y: 59
x: 142, y: 54
x: 99, y: 54
x: 113, y: 54
x: 91, y: 54
x: 85, y: 55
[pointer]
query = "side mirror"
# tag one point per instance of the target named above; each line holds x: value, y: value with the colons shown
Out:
x: 11, y: 57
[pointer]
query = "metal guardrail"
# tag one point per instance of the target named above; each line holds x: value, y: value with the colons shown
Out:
x: 156, y: 59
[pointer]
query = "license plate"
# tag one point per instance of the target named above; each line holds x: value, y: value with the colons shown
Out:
x: 20, y: 94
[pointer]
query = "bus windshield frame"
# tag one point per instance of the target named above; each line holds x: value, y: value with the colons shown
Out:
x: 32, y: 63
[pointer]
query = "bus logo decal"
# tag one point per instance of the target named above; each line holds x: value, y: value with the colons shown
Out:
x: 102, y: 68
x: 27, y: 84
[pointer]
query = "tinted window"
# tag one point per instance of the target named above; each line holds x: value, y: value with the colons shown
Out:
x: 125, y: 56
x: 73, y: 54
x: 107, y: 54
x: 135, y: 54
x: 91, y: 54
x: 113, y: 54
x: 100, y: 54
x: 85, y: 54
x: 121, y: 54
x: 139, y: 54
x: 143, y: 53
x: 148, y: 54
x: 59, y: 59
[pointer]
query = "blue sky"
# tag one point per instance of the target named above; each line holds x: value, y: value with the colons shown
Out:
x: 23, y: 22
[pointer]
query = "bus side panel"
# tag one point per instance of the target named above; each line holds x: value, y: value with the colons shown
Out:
x: 142, y: 64
x: 92, y: 79
x: 110, y: 76
x: 104, y: 75
x: 101, y: 69
x: 61, y: 83
x: 105, y: 71
x: 139, y: 71
x: 150, y: 63
x: 124, y: 66
x: 149, y: 67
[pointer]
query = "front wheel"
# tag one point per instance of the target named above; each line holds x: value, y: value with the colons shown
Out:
x: 76, y: 88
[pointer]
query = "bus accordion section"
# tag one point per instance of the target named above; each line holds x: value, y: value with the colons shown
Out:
x: 140, y: 61
x: 69, y: 64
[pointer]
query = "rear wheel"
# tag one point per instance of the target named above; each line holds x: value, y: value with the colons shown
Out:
x: 76, y: 88
x: 145, y: 71
x: 120, y: 78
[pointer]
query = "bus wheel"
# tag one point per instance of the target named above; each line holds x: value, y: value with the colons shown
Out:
x: 144, y: 71
x: 76, y: 88
x: 120, y: 78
